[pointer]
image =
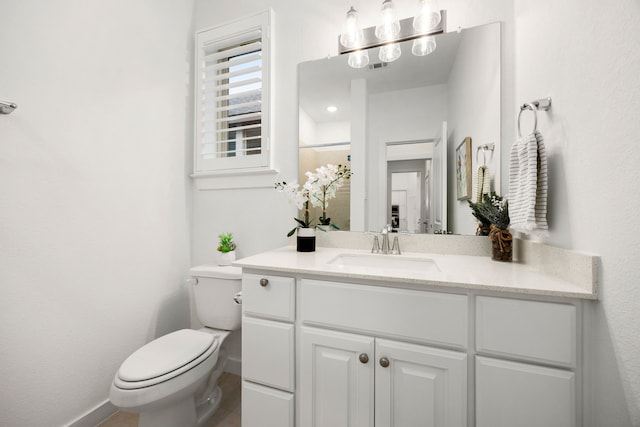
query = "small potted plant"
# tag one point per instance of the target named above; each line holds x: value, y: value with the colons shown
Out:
x: 495, y: 210
x: 226, y: 249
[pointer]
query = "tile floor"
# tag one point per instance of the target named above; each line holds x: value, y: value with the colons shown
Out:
x: 227, y: 415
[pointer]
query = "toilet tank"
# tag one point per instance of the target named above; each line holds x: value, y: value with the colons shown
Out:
x: 214, y: 289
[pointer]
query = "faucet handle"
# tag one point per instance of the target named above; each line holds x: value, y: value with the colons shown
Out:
x: 376, y: 245
x: 395, y: 248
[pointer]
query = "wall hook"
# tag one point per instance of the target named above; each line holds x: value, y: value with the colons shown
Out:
x: 7, y: 107
x: 484, y: 148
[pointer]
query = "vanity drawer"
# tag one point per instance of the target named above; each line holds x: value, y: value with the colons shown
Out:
x: 532, y: 330
x: 266, y: 407
x: 268, y: 296
x: 268, y: 353
x: 423, y: 316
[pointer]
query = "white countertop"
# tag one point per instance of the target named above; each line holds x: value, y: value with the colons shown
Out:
x: 456, y: 271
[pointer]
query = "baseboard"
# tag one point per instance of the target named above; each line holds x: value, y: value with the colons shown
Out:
x: 95, y: 416
x: 233, y: 366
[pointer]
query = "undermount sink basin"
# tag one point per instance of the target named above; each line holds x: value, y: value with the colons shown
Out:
x: 386, y: 262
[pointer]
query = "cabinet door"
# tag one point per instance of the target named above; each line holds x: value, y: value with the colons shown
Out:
x: 419, y: 386
x: 519, y: 394
x: 336, y: 379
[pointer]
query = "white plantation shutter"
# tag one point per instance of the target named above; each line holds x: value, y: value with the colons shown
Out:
x: 233, y: 96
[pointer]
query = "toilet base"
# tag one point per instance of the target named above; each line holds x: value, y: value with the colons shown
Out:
x: 206, y: 410
x: 187, y: 400
x: 180, y: 413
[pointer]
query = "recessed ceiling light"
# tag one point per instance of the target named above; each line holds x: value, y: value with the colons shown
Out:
x: 332, y: 108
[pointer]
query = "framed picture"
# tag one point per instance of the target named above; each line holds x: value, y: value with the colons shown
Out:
x: 463, y: 169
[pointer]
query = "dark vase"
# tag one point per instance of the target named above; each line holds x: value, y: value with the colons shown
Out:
x: 306, y: 239
x: 501, y: 244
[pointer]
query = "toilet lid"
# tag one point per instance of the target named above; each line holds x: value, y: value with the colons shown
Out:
x: 170, y: 354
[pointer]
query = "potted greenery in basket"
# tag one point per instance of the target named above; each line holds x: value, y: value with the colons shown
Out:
x: 495, y: 210
x: 477, y: 209
x: 226, y: 249
x: 320, y: 187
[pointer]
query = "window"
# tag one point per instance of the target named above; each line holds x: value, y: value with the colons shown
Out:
x: 232, y: 129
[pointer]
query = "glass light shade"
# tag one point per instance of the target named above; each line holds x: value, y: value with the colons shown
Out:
x: 428, y: 16
x: 358, y: 59
x: 351, y: 35
x: 389, y: 26
x: 423, y: 46
x: 389, y: 52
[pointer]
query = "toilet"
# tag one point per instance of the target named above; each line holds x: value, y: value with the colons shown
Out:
x: 172, y: 381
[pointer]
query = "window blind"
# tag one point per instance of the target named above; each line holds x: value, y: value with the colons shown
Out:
x: 231, y: 95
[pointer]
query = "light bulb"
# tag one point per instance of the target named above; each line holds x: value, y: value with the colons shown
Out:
x: 428, y: 16
x: 352, y: 35
x: 358, y: 59
x: 389, y: 52
x: 389, y: 27
x: 423, y: 46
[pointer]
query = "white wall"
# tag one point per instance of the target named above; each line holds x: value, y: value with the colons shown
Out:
x: 592, y: 135
x: 584, y: 54
x: 93, y: 220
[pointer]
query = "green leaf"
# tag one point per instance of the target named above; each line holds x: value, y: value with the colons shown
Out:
x: 301, y: 222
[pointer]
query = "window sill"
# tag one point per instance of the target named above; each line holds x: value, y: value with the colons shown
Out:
x: 235, y: 179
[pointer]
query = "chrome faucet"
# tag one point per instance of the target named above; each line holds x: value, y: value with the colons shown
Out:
x: 386, y: 248
x: 385, y: 238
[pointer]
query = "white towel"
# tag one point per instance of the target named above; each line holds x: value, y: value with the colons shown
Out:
x: 483, y: 183
x: 528, y: 185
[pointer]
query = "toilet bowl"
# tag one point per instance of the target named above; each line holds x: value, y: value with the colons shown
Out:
x: 171, y: 381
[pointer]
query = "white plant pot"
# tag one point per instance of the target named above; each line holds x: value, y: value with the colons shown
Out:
x: 226, y: 258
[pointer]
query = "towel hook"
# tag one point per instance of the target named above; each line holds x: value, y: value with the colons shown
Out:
x: 484, y: 148
x: 7, y: 107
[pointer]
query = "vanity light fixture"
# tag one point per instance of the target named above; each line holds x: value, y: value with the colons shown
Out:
x: 428, y: 16
x: 387, y: 35
x: 352, y: 37
x: 389, y: 26
x: 358, y: 58
x: 423, y: 46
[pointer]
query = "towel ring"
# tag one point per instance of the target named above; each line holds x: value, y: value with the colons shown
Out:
x: 533, y: 108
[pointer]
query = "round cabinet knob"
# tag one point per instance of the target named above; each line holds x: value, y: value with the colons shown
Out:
x: 384, y: 362
x: 364, y: 358
x: 264, y: 282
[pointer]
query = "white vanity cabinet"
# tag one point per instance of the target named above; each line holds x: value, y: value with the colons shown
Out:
x: 363, y: 362
x: 268, y: 356
x: 526, y: 363
x: 328, y: 353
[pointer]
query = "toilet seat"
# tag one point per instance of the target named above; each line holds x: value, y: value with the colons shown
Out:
x: 165, y: 358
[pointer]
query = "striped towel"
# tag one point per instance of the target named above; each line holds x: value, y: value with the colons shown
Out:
x: 528, y: 186
x: 483, y: 183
